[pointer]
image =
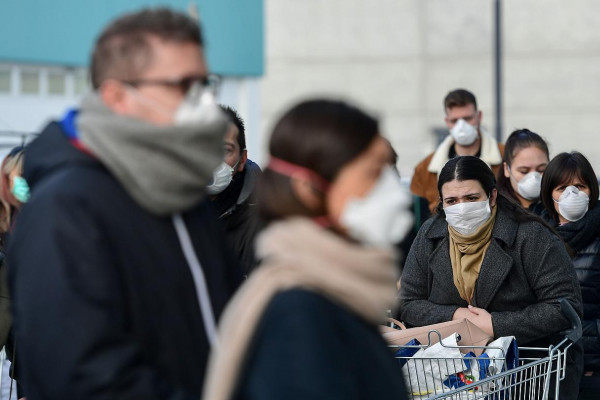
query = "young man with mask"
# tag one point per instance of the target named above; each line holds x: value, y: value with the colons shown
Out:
x: 466, y: 138
x: 119, y: 270
x: 232, y: 191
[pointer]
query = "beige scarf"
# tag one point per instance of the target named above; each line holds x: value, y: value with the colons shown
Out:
x: 467, y: 253
x: 298, y: 253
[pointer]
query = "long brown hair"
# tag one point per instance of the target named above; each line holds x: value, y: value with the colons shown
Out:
x: 319, y: 135
x: 517, y: 141
x: 9, y: 205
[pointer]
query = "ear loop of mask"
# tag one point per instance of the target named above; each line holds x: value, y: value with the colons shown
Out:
x: 296, y: 171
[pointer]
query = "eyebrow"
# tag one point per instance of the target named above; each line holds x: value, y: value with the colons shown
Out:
x: 466, y: 195
x: 528, y: 167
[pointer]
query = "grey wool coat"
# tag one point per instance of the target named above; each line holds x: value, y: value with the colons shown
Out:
x: 525, y: 270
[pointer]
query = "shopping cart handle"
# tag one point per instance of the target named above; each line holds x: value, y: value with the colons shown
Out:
x: 574, y: 334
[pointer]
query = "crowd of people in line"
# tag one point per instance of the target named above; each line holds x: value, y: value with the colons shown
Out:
x: 147, y: 257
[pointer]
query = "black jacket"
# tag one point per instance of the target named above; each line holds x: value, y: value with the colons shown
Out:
x: 307, y: 347
x: 236, y: 207
x: 583, y: 237
x: 104, y: 300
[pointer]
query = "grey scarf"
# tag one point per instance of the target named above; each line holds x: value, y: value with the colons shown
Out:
x: 165, y: 169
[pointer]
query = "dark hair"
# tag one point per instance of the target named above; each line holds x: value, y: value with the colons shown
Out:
x: 517, y: 141
x: 123, y: 49
x: 393, y: 155
x: 561, y: 170
x: 462, y: 169
x: 320, y: 135
x: 459, y: 98
x: 473, y: 168
x: 239, y: 123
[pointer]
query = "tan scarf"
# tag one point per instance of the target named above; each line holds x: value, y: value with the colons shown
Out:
x: 299, y: 254
x: 467, y: 253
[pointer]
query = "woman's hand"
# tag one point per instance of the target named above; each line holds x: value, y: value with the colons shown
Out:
x: 461, y: 313
x: 481, y: 318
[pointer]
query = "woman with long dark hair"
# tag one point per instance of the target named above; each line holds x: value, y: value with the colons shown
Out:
x: 304, y: 324
x: 486, y: 259
x: 570, y: 197
x: 525, y: 158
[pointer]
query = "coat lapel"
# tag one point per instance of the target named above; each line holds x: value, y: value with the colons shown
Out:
x: 441, y: 266
x: 494, y: 269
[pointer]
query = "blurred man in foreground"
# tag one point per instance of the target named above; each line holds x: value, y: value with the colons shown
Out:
x: 117, y: 265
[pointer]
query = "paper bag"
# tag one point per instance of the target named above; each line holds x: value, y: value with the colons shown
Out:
x: 470, y: 335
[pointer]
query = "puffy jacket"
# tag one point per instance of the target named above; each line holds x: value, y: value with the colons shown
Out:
x: 583, y: 237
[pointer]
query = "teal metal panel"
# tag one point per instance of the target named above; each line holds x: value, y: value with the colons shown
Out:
x: 62, y: 32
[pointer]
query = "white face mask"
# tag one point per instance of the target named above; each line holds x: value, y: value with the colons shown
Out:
x: 530, y: 185
x: 573, y: 204
x: 382, y: 217
x: 467, y: 217
x: 221, y: 179
x: 198, y: 107
x: 464, y: 133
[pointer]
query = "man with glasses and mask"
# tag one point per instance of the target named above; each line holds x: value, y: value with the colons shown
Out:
x: 119, y: 269
x: 232, y: 191
x: 466, y: 138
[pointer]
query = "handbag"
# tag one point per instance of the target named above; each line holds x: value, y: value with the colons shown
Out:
x: 470, y: 334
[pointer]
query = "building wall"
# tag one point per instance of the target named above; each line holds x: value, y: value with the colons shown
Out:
x: 46, y: 48
x: 399, y: 58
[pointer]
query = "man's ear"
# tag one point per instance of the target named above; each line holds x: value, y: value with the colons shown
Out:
x: 447, y: 121
x: 114, y: 94
x: 243, y: 160
x: 306, y: 194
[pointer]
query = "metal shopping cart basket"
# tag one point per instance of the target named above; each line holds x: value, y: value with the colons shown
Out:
x: 536, y: 375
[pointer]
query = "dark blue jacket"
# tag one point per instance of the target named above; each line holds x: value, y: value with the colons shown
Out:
x: 336, y: 355
x: 104, y: 301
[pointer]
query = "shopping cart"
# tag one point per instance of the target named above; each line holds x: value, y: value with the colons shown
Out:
x: 536, y: 375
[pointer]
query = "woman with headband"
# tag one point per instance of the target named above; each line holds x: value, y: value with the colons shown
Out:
x: 304, y: 324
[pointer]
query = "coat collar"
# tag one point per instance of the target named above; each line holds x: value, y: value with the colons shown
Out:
x: 505, y: 228
x: 496, y: 264
x: 489, y: 152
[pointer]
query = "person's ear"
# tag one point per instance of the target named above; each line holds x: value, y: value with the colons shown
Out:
x: 114, y: 94
x: 506, y: 171
x: 243, y: 160
x: 447, y: 121
x: 493, y: 197
x: 479, y: 117
x: 306, y: 193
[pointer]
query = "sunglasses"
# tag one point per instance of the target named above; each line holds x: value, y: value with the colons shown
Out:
x: 184, y: 84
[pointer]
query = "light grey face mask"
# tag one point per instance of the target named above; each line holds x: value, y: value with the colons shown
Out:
x: 221, y: 179
x: 465, y: 218
x: 573, y: 204
x: 530, y: 185
x: 382, y: 217
x: 464, y: 133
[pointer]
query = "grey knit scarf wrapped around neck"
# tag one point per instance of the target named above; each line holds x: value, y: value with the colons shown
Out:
x: 165, y: 169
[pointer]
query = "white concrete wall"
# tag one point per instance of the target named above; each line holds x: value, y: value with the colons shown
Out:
x: 399, y: 58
